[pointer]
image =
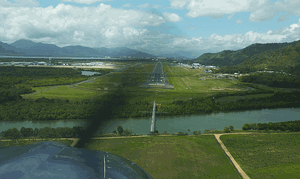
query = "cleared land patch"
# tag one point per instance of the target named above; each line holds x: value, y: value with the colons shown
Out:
x: 266, y: 155
x: 172, y: 156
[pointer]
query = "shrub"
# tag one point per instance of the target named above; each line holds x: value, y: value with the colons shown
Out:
x: 120, y: 130
x: 127, y: 132
x: 165, y: 133
x: 207, y: 131
x: 226, y: 129
x: 246, y: 127
x: 180, y: 133
x: 231, y: 128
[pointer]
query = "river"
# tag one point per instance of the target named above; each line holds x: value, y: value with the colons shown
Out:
x: 175, y: 124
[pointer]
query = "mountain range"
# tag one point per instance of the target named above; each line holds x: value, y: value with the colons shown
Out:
x: 224, y: 58
x: 231, y: 57
x: 29, y: 48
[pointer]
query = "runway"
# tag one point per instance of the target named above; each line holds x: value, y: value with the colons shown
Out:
x: 157, y: 79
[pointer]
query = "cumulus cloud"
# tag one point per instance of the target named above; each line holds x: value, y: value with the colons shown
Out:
x: 84, y: 1
x: 68, y: 23
x: 172, y: 17
x: 283, y: 18
x: 148, y: 5
x: 105, y: 26
x: 126, y: 5
x: 260, y: 10
x: 216, y: 8
x: 19, y: 3
x: 238, y: 21
x: 268, y: 10
x: 179, y: 3
x: 217, y: 43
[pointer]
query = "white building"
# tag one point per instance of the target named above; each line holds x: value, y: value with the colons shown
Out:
x: 41, y: 63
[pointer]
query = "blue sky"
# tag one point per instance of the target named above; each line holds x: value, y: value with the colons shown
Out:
x: 157, y: 26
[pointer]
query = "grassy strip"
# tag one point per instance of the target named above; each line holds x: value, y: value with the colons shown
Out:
x: 172, y: 156
x: 266, y: 155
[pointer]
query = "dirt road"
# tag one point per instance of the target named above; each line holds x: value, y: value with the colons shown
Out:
x: 237, y: 166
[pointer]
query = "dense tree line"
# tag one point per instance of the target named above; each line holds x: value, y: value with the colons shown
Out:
x: 15, y: 81
x: 44, y: 109
x: 292, y: 126
x: 55, y: 109
x: 46, y: 132
x: 208, y: 105
x: 13, y: 93
x: 34, y: 76
x: 273, y: 80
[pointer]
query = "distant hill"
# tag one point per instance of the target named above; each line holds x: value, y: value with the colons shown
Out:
x: 179, y: 54
x: 286, y: 58
x: 230, y: 57
x: 123, y: 51
x: 6, y: 49
x: 27, y: 47
x: 79, y: 51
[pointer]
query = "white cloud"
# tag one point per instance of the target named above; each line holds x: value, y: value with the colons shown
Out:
x: 216, y: 8
x: 217, y: 43
x: 105, y: 26
x: 84, y: 1
x: 179, y: 3
x: 126, y: 5
x: 268, y: 10
x: 172, y: 17
x: 283, y: 18
x: 19, y: 3
x: 261, y: 10
x: 70, y: 24
x: 238, y: 21
x: 148, y: 5
x: 229, y: 17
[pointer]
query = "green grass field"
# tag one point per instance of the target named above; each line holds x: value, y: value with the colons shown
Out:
x: 21, y: 142
x: 198, y: 88
x: 133, y: 77
x: 40, y: 88
x: 172, y: 156
x: 65, y: 92
x: 266, y: 155
x: 191, y: 78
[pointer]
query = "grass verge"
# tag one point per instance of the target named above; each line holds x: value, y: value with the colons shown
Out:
x: 266, y: 155
x: 172, y: 156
